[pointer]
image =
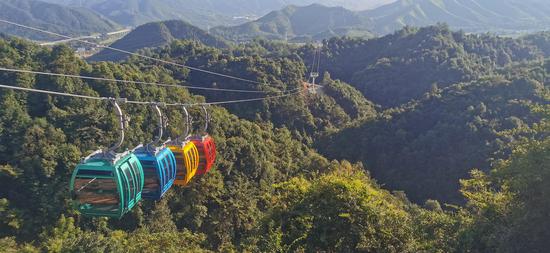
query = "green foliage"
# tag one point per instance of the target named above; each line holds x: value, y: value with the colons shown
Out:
x: 427, y: 145
x: 10, y: 221
x: 66, y: 237
x: 438, y: 230
x: 333, y: 214
x: 397, y: 68
x: 351, y: 100
x: 509, y: 206
x: 540, y: 40
x: 9, y: 245
x: 276, y: 71
x: 345, y: 211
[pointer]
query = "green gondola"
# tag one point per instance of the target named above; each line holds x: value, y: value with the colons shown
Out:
x: 106, y: 183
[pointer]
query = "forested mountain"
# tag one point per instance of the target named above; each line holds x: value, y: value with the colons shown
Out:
x: 155, y: 35
x: 201, y: 13
x: 506, y: 16
x: 396, y: 68
x: 482, y: 106
x: 442, y: 136
x: 309, y: 23
x: 446, y: 103
x: 340, y: 106
x: 51, y: 17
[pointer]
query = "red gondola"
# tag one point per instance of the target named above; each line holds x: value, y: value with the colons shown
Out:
x: 206, y: 146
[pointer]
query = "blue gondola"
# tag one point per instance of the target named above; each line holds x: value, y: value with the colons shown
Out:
x: 159, y: 165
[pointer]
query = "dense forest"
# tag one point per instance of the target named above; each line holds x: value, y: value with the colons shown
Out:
x: 425, y: 140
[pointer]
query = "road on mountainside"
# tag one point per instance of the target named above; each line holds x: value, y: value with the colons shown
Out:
x: 93, y: 36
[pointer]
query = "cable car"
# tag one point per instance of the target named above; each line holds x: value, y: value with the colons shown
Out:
x: 106, y: 183
x: 159, y: 165
x: 206, y: 147
x: 187, y: 155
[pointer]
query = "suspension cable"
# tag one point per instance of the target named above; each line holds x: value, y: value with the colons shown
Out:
x: 318, y: 59
x: 131, y: 53
x: 312, y: 69
x: 144, y: 102
x: 132, y: 82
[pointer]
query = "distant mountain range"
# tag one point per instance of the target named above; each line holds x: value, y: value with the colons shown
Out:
x: 157, y: 34
x: 51, y: 17
x: 313, y: 22
x: 317, y: 22
x: 293, y: 23
x: 202, y: 13
x: 290, y: 22
x: 470, y: 15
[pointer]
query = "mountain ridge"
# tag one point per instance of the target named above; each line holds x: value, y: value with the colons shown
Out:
x: 470, y: 15
x: 157, y: 34
x: 51, y: 17
x: 298, y: 23
x: 201, y: 13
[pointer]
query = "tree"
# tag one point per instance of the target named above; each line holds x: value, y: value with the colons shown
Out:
x: 343, y: 211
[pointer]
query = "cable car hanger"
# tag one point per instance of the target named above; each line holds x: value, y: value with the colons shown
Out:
x: 188, y: 123
x: 206, y: 120
x: 123, y: 123
x: 161, y: 126
x: 110, y: 153
x: 184, y: 137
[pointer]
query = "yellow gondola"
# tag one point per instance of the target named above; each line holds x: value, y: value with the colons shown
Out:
x: 187, y: 155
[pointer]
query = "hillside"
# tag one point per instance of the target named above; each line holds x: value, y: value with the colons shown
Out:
x: 396, y: 68
x: 309, y: 23
x: 442, y: 136
x: 506, y: 16
x: 51, y: 17
x: 155, y: 35
x: 448, y: 96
